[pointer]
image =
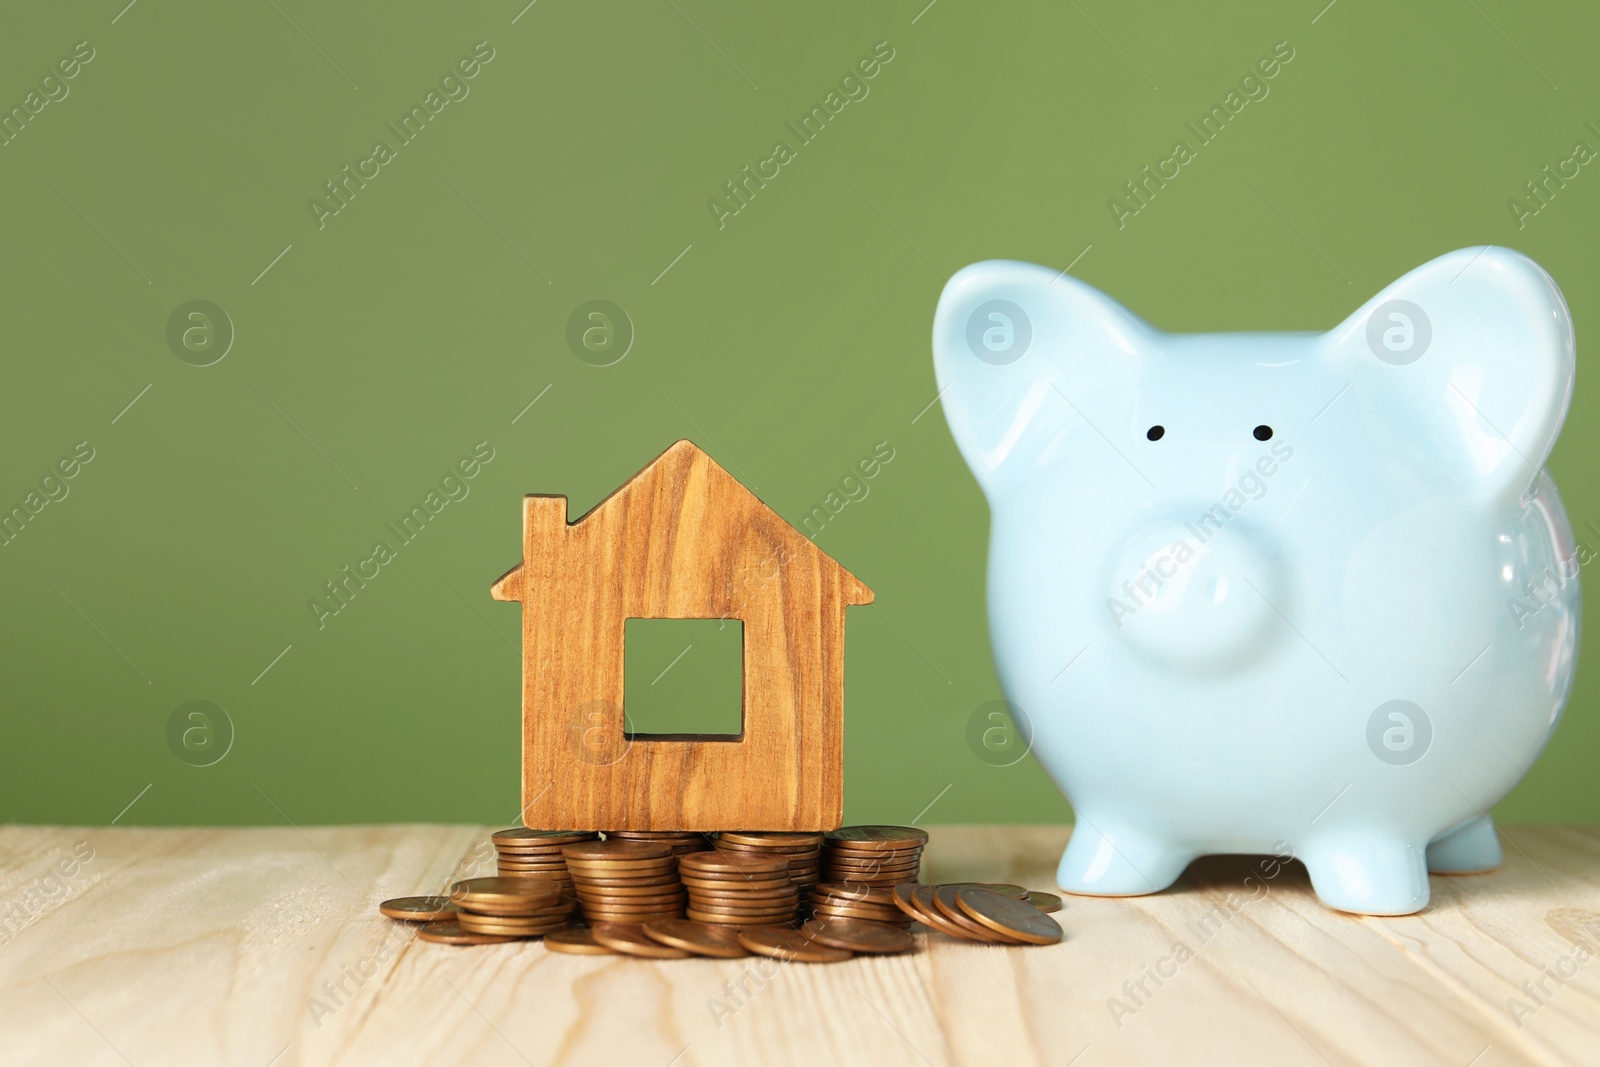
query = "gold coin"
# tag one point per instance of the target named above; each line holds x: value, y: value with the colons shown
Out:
x: 719, y: 862
x: 631, y: 940
x: 702, y: 939
x: 789, y: 945
x: 859, y: 935
x: 618, y: 851
x: 419, y: 909
x: 1008, y: 917
x: 530, y: 891
x: 1044, y: 901
x: 452, y: 934
x: 577, y: 941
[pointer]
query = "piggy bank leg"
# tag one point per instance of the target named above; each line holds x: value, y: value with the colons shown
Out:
x: 1369, y: 875
x: 1471, y: 849
x: 1106, y: 860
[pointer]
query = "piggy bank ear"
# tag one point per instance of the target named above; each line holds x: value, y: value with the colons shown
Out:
x: 1011, y: 342
x: 1466, y: 364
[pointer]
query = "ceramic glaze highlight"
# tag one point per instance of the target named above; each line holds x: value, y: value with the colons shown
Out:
x: 1329, y: 607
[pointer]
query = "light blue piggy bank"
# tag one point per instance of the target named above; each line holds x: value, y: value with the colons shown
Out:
x: 1271, y: 591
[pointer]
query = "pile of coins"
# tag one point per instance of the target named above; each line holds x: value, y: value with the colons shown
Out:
x: 626, y: 881
x: 524, y: 853
x: 980, y: 911
x: 739, y: 888
x: 803, y: 851
x: 873, y: 855
x: 493, y: 910
x: 670, y: 895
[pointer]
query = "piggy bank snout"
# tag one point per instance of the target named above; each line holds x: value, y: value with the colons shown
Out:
x: 1196, y: 596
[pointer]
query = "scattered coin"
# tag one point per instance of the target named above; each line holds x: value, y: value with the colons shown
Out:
x: 921, y: 905
x: 859, y: 935
x: 631, y: 940
x: 944, y: 900
x: 576, y: 941
x: 1009, y: 917
x: 451, y: 934
x: 419, y: 909
x: 701, y: 939
x: 1005, y: 889
x: 1044, y: 901
x: 789, y: 945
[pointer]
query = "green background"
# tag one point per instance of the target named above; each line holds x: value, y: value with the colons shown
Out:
x: 428, y: 314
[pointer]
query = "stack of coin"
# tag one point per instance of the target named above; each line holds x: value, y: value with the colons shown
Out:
x: 873, y: 855
x: 852, y: 900
x: 509, y: 907
x: 625, y: 881
x: 525, y: 853
x: 859, y: 935
x: 803, y: 851
x: 681, y: 840
x: 739, y: 888
x: 973, y: 913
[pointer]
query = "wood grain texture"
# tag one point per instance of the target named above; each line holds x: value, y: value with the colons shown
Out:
x: 222, y: 946
x: 682, y: 539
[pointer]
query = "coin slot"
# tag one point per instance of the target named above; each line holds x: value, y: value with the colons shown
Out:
x: 683, y: 679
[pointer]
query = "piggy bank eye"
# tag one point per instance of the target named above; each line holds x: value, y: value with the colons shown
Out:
x: 1263, y: 432
x: 1155, y: 433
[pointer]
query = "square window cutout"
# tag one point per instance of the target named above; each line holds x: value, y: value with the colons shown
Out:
x: 683, y: 679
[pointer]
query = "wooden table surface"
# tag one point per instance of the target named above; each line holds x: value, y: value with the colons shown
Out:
x: 217, y: 946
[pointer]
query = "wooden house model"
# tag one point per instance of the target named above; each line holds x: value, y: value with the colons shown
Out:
x: 682, y: 539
